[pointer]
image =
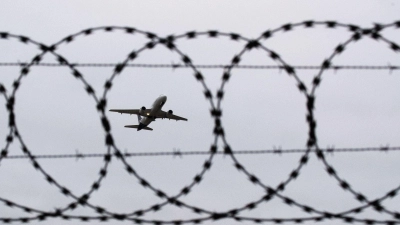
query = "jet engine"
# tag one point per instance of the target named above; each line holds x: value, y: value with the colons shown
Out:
x: 141, y: 111
x: 170, y: 112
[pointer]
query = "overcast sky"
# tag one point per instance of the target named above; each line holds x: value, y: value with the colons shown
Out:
x: 262, y: 109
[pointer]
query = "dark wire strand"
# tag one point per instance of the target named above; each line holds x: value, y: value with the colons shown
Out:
x: 196, y: 153
x: 207, y: 66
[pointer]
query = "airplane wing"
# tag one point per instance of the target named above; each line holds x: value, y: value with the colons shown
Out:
x: 166, y: 115
x: 129, y: 111
x: 136, y: 126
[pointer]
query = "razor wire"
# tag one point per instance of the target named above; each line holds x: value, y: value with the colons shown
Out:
x: 113, y: 151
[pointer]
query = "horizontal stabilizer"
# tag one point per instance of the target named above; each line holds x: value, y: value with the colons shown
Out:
x: 137, y: 126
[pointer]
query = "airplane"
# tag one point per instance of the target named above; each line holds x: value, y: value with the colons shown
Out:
x: 146, y: 116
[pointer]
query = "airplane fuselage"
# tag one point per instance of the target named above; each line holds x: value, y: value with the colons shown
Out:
x: 149, y: 117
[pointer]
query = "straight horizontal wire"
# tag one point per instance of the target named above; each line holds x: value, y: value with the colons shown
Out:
x: 207, y: 66
x: 181, y: 153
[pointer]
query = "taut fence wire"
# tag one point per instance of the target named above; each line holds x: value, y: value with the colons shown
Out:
x: 208, y: 66
x: 203, y: 214
x: 276, y: 151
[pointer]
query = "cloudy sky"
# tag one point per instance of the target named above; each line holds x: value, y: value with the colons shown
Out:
x: 262, y: 109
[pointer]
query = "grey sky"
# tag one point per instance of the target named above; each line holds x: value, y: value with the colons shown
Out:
x: 262, y: 109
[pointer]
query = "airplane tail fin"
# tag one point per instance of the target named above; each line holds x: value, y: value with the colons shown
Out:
x: 137, y: 126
